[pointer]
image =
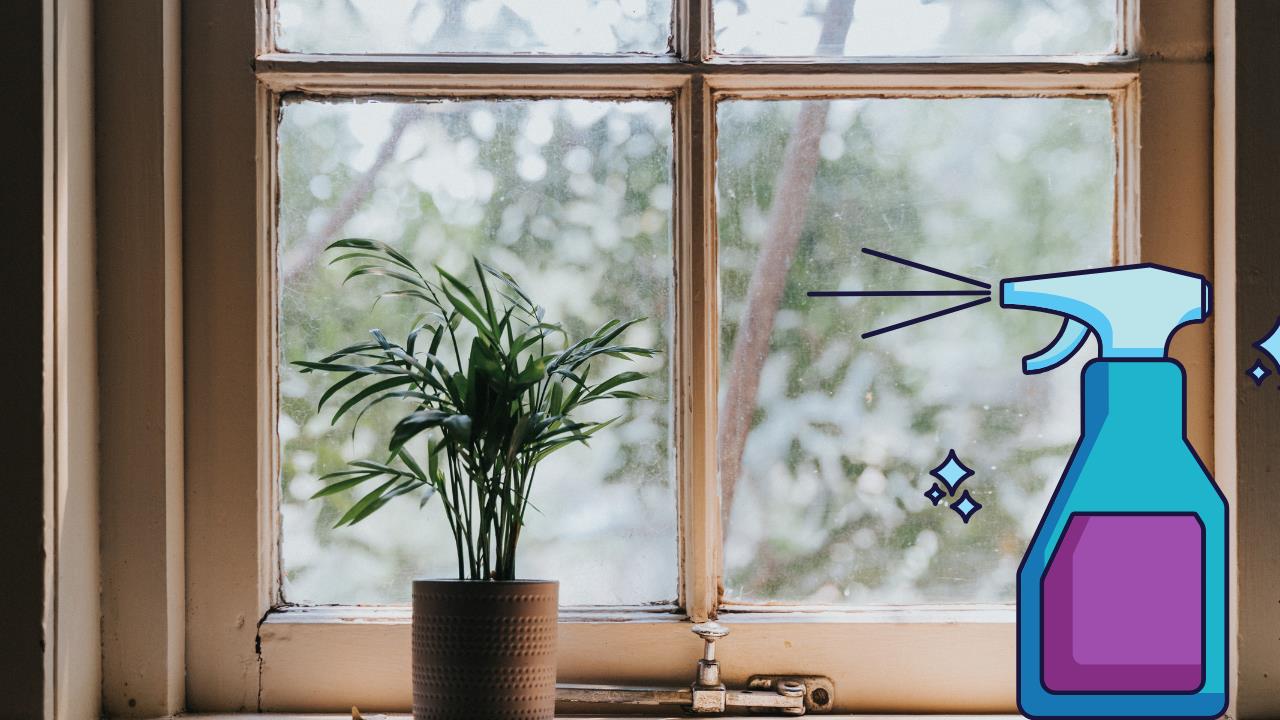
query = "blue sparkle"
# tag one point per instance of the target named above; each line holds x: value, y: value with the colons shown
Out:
x: 935, y: 494
x: 951, y: 472
x: 966, y: 507
x: 1258, y: 372
x: 1271, y: 344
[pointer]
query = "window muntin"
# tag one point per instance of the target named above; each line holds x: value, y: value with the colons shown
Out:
x: 918, y: 28
x: 573, y: 197
x: 473, y: 26
x: 824, y: 501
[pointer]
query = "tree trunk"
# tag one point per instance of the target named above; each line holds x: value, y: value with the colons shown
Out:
x: 791, y: 195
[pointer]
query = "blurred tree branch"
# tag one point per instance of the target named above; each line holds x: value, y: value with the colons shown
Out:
x: 773, y: 263
x: 309, y: 248
x: 300, y: 256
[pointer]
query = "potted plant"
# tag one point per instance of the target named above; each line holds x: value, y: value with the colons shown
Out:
x: 495, y: 387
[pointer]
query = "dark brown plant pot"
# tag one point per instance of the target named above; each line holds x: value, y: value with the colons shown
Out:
x: 484, y: 650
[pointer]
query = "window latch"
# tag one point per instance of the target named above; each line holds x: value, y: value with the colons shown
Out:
x: 765, y: 694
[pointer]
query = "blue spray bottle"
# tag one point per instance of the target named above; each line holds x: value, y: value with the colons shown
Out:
x: 1122, y: 594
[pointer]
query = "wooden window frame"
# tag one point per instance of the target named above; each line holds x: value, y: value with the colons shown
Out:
x: 245, y: 653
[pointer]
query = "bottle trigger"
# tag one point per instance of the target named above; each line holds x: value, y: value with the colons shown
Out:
x: 1071, y: 337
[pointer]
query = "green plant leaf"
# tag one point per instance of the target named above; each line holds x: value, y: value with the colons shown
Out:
x: 414, y: 423
x: 533, y: 372
x: 379, y: 369
x: 617, y: 395
x: 518, y: 436
x: 364, y: 505
x: 459, y: 427
x: 349, y: 479
x: 488, y: 298
x: 557, y: 398
x: 511, y: 283
x: 621, y: 378
x: 471, y: 314
x: 350, y: 350
x: 436, y: 337
x: 334, y: 388
x: 378, y: 247
x: 383, y: 271
x: 369, y: 390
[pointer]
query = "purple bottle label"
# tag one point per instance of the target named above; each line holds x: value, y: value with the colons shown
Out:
x: 1123, y: 605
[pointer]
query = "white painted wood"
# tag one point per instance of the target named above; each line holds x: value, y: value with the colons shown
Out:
x: 486, y: 76
x: 1226, y: 379
x: 535, y: 85
x: 959, y: 80
x: 697, y: 333
x: 77, y: 665
x: 405, y: 716
x: 229, y: 441
x: 879, y: 660
x: 692, y: 37
x: 268, y: 64
x: 143, y: 580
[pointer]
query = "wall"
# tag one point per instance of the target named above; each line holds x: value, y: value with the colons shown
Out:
x: 24, y: 677
x: 1249, y: 231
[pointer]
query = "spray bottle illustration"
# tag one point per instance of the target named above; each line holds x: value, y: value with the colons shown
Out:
x: 1122, y: 592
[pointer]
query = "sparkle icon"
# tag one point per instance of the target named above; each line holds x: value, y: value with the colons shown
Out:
x: 1258, y: 372
x: 966, y: 507
x: 951, y: 472
x: 1271, y: 344
x: 935, y: 494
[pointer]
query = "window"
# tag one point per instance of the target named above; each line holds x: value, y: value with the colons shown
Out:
x: 573, y: 197
x: 822, y: 475
x: 706, y: 164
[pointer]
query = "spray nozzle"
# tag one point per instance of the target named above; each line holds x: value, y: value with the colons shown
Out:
x: 1134, y: 310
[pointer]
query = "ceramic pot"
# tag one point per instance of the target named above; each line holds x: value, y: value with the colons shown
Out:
x: 484, y: 649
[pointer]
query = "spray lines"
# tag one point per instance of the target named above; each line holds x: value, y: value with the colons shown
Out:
x: 982, y: 293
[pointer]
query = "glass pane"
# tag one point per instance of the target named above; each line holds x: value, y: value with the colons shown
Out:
x: 918, y: 28
x: 827, y: 438
x: 473, y: 26
x: 573, y: 198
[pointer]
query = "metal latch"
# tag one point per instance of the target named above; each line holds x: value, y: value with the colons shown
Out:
x: 764, y: 694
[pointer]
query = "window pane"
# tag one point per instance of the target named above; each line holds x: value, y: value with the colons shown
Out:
x: 921, y: 28
x: 473, y: 26
x: 826, y: 438
x: 573, y: 198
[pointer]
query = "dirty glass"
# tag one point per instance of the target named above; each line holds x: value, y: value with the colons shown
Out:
x: 827, y: 438
x: 574, y: 199
x: 473, y: 26
x: 921, y: 28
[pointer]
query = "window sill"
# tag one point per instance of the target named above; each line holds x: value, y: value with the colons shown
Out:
x: 321, y: 659
x: 406, y: 716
